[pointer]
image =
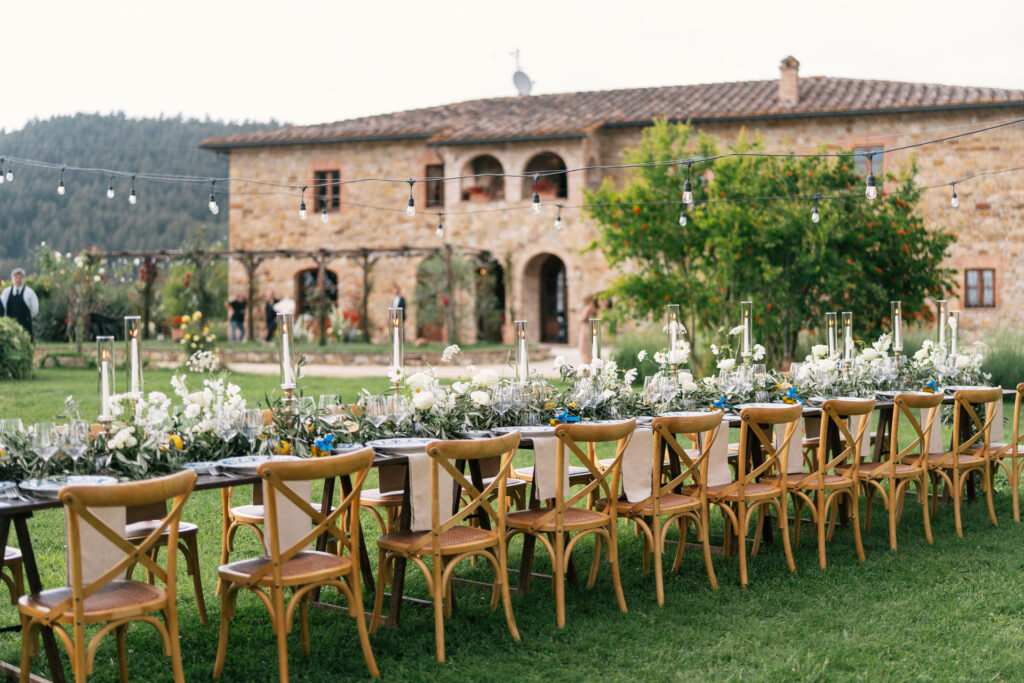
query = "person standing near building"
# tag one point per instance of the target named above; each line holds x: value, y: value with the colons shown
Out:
x: 20, y: 302
x: 271, y: 315
x: 399, y: 300
x: 237, y: 318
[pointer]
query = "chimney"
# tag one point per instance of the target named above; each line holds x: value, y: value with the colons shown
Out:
x: 789, y: 81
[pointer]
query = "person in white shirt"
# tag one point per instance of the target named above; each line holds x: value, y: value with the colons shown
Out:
x: 20, y: 302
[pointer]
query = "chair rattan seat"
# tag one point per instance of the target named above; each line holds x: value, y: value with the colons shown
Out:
x: 803, y: 481
x: 880, y: 470
x: 670, y: 504
x: 253, y: 514
x: 140, y: 530
x: 115, y: 600
x: 11, y: 554
x: 458, y: 539
x: 575, y: 518
x: 754, y: 492
x: 945, y: 460
x: 375, y: 497
x: 305, y: 567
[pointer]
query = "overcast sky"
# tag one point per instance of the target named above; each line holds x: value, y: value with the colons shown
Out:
x: 310, y: 61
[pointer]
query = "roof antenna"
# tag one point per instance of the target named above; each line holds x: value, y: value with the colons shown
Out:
x: 519, y: 78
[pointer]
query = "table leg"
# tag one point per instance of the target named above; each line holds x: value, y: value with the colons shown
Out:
x: 883, y: 433
x: 529, y: 543
x: 325, y: 509
x: 28, y: 559
x: 364, y: 557
x: 398, y: 573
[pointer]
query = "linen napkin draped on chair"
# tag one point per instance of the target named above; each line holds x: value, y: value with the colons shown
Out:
x: 545, y: 467
x: 419, y: 492
x: 292, y: 522
x: 636, y: 465
x: 99, y: 554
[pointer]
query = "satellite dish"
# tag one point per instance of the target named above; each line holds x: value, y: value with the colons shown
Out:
x: 522, y: 82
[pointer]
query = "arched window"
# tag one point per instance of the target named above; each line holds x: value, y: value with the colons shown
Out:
x: 309, y: 289
x: 550, y: 185
x: 486, y: 188
x: 490, y: 298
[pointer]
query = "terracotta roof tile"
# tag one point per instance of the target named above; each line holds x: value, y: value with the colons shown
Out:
x: 572, y: 114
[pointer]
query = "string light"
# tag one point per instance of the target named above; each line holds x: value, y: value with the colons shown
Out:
x: 410, y: 208
x: 558, y: 218
x: 60, y: 185
x: 440, y: 225
x: 10, y: 173
x: 954, y: 201
x: 1, y: 170
x: 132, y: 197
x: 110, y: 188
x: 212, y: 205
x: 323, y: 211
x: 535, y: 202
x: 688, y: 189
x: 871, y: 191
x: 302, y: 204
x: 682, y: 216
x: 815, y: 217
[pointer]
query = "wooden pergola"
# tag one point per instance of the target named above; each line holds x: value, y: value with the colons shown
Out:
x: 251, y: 259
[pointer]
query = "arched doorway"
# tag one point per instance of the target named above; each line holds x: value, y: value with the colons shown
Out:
x: 490, y: 299
x: 546, y: 296
x: 554, y: 183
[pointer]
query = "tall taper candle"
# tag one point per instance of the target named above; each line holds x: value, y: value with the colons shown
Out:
x: 522, y: 353
x: 896, y: 308
x: 285, y: 325
x: 396, y: 321
x: 132, y: 325
x: 672, y: 325
x: 943, y: 312
x: 105, y: 361
x: 954, y: 332
x: 848, y: 347
x: 595, y: 339
x: 747, y: 313
x: 832, y: 332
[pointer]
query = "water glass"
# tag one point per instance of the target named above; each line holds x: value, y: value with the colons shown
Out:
x: 43, y: 440
x: 376, y: 407
x: 328, y: 401
x: 76, y: 440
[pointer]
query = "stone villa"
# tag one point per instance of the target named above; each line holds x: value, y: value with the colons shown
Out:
x: 545, y: 277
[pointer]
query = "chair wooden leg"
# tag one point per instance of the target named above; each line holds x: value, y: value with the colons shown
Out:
x: 122, y: 653
x: 558, y: 578
x: 758, y: 530
x: 648, y: 549
x: 78, y: 654
x: 681, y: 546
x: 439, y: 590
x: 227, y: 599
x: 893, y: 504
x: 798, y: 511
x: 727, y: 537
x: 658, y: 550
x: 281, y: 631
x: 304, y: 624
x: 741, y: 531
x: 957, y: 485
x: 506, y: 594
x: 190, y: 549
x: 613, y: 558
x: 705, y: 537
x: 855, y: 522
x: 784, y: 528
x: 922, y: 485
x: 355, y: 607
x: 989, y: 486
x: 596, y: 562
x: 27, y: 648
x: 820, y: 502
x: 1014, y: 470
x: 869, y: 503
x: 171, y: 621
x: 378, y: 600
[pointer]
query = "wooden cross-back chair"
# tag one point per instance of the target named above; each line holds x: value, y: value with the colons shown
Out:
x: 741, y: 498
x: 680, y: 500
x: 109, y: 598
x: 1010, y: 456
x: 833, y: 472
x: 566, y: 523
x: 954, y: 467
x: 298, y: 567
x: 450, y: 542
x: 13, y: 575
x: 890, y: 478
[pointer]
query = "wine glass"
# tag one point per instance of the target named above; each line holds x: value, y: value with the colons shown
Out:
x: 10, y: 429
x: 399, y: 408
x: 43, y: 441
x: 502, y: 399
x: 376, y: 409
x: 666, y: 390
x: 252, y: 426
x: 226, y: 428
x: 76, y: 440
x: 328, y: 401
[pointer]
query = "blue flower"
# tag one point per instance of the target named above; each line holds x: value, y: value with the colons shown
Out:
x: 565, y: 417
x: 722, y: 403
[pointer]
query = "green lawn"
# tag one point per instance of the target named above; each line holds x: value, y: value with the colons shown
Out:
x: 948, y: 611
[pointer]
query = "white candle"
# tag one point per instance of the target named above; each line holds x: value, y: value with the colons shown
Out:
x: 286, y: 359
x: 396, y: 346
x: 747, y: 309
x: 135, y: 389
x: 943, y: 307
x: 833, y: 332
x: 954, y: 331
x: 522, y: 354
x: 848, y: 347
x: 897, y: 325
x: 595, y: 338
x: 104, y: 388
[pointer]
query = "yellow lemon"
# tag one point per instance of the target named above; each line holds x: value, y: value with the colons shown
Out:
x: 175, y: 440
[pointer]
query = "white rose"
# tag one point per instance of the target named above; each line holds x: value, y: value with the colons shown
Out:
x: 460, y: 387
x: 419, y: 381
x: 486, y: 378
x: 559, y: 362
x: 963, y: 362
x: 481, y: 398
x: 869, y: 354
x: 423, y: 400
x: 677, y: 356
x: 684, y: 376
x: 736, y: 330
x: 607, y: 394
x: 819, y: 350
x: 640, y: 356
x: 597, y: 364
x: 688, y: 385
x: 758, y: 352
x: 727, y: 364
x: 827, y: 365
x: 191, y: 411
x: 921, y: 354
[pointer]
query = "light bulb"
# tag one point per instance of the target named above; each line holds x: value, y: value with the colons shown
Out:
x: 302, y: 210
x: 687, y: 192
x: 2, y: 176
x: 410, y: 208
x: 682, y: 218
x: 558, y: 222
x: 110, y: 192
x: 10, y: 175
x: 535, y: 204
x: 871, y: 191
x: 815, y: 217
x: 440, y: 230
x: 60, y: 188
x: 323, y: 215
x: 132, y: 198
x: 213, y: 206
x: 954, y: 202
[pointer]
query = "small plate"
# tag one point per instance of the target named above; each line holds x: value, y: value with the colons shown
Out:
x: 343, y: 448
x: 686, y: 413
x: 475, y: 434
x: 400, y: 445
x: 247, y: 464
x: 527, y: 431
x: 644, y: 419
x: 741, y: 406
x: 887, y: 394
x: 49, y: 487
x: 208, y: 467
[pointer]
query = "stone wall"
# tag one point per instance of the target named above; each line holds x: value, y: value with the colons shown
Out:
x: 988, y: 222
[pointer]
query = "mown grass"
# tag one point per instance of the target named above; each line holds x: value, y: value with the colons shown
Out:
x: 951, y: 610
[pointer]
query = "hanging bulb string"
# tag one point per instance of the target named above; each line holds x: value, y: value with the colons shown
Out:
x: 173, y: 178
x: 410, y: 209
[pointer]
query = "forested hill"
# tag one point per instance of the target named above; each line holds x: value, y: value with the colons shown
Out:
x: 31, y: 210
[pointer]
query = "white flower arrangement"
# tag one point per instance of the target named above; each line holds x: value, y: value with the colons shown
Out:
x: 202, y: 361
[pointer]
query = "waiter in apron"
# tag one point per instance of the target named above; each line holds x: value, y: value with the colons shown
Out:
x: 20, y: 302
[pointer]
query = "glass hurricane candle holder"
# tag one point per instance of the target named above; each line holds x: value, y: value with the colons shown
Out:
x: 832, y: 332
x: 133, y: 352
x: 672, y: 325
x: 954, y: 332
x: 595, y: 338
x: 286, y: 347
x: 896, y: 310
x: 943, y: 311
x: 848, y: 346
x: 396, y: 335
x: 747, y: 316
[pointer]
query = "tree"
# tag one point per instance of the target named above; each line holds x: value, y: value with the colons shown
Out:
x: 750, y: 237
